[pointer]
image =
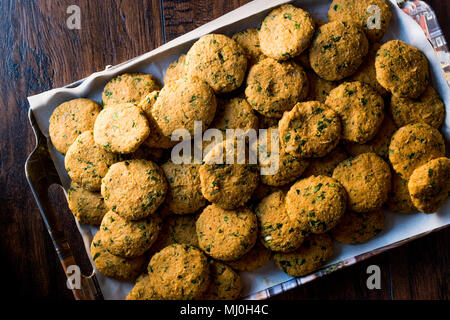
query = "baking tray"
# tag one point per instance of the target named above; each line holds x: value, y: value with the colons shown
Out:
x: 45, y: 166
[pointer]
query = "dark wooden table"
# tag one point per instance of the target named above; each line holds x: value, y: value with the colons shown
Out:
x: 38, y: 52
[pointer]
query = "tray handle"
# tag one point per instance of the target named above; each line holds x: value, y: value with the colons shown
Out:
x: 41, y: 174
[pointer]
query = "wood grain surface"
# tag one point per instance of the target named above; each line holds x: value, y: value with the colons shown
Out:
x: 39, y: 52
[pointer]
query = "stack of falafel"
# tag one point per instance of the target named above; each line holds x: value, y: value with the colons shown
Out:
x: 358, y: 126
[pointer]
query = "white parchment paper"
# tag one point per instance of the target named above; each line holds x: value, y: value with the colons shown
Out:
x: 398, y: 226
